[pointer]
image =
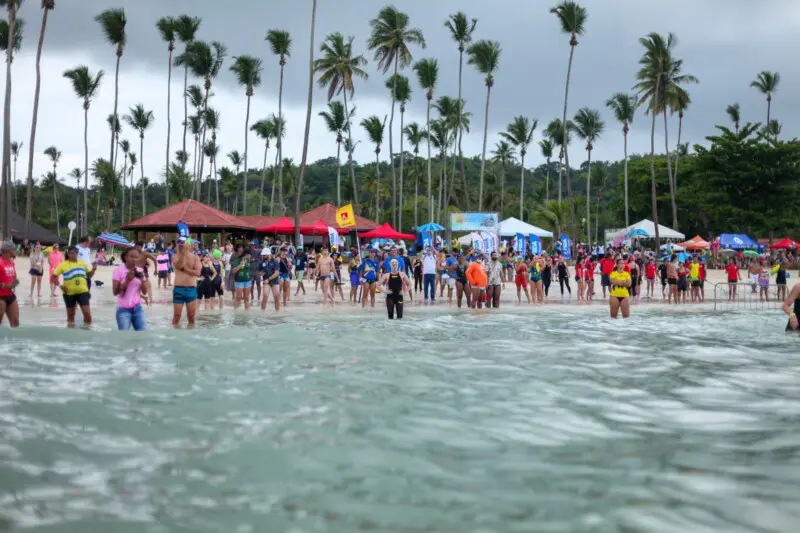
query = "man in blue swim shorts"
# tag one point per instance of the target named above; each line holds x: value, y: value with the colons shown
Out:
x: 184, y: 293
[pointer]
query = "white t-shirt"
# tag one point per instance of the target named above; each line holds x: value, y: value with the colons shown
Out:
x: 428, y: 264
x: 85, y: 254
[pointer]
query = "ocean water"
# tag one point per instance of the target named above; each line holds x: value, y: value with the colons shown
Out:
x: 547, y: 420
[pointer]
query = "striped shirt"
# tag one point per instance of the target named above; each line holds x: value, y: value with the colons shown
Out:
x: 75, y: 276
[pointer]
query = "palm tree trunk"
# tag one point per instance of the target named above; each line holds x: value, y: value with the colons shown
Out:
x: 547, y: 183
x: 377, y: 186
x: 450, y: 187
x: 116, y: 101
x: 216, y: 183
x: 309, y: 104
x: 769, y: 108
x: 442, y: 185
x: 169, y: 123
x: 483, y: 153
x: 194, y: 163
x: 678, y: 150
x: 32, y: 142
x: 653, y: 196
x: 430, y: 188
x: 85, y: 168
x: 669, y: 175
x: 280, y: 140
x: 274, y: 179
x: 6, y: 197
x: 522, y: 187
x: 141, y: 171
x: 588, y: 197
x: 338, y: 173
x: 461, y: 127
x: 55, y: 202
x: 391, y: 145
x: 350, y: 154
x: 625, y: 151
x: 185, y: 109
x: 130, y: 203
x: 402, y: 163
x: 200, y: 157
x: 263, y: 178
x: 566, y: 151
x: 560, y: 177
x: 416, y: 188
x: 246, y: 125
x: 502, y: 189
x: 124, y: 173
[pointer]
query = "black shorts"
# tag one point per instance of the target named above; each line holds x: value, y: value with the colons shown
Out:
x: 162, y: 274
x: 34, y: 272
x: 205, y: 289
x: 71, y: 300
x: 672, y: 281
x: 605, y: 281
x: 696, y: 283
x: 10, y: 299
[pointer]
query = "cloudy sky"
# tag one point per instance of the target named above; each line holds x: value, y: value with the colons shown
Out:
x: 725, y: 43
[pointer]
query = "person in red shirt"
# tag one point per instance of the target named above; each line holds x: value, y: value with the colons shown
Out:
x: 734, y: 277
x: 8, y: 281
x: 702, y: 280
x: 588, y: 277
x: 606, y: 267
x: 579, y: 277
x: 650, y: 274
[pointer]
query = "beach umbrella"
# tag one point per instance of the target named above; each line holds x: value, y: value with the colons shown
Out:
x: 114, y: 239
x: 431, y: 226
x: 750, y: 253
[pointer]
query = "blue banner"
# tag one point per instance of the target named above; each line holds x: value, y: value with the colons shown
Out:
x: 473, y: 221
x: 425, y: 239
x: 536, y: 244
x: 519, y: 244
x: 566, y: 246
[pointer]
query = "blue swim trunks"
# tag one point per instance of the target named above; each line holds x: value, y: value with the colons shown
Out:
x: 184, y: 295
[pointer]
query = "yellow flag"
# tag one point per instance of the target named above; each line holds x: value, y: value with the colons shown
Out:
x: 345, y: 217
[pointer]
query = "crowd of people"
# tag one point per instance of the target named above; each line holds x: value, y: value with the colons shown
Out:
x: 250, y: 274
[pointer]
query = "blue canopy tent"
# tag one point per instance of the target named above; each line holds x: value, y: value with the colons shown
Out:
x: 736, y: 241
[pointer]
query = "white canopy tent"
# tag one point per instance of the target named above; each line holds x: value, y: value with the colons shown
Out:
x: 650, y: 229
x: 511, y: 226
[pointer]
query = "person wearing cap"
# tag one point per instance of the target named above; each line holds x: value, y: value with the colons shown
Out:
x: 368, y: 271
x: 184, y: 292
x: 478, y: 280
x: 8, y: 281
x: 270, y: 272
x: 394, y: 284
x: 429, y: 274
x: 240, y: 272
x: 285, y: 275
x: 75, y: 285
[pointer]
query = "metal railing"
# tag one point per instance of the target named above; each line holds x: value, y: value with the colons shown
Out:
x: 745, y: 299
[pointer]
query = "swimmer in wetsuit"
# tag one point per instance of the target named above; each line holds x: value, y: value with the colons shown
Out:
x: 394, y: 284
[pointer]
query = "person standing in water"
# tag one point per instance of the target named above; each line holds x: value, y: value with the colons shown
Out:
x: 620, y: 290
x: 270, y: 274
x: 53, y: 260
x: 75, y: 286
x: 162, y: 260
x: 494, y: 272
x: 300, y: 262
x: 36, y: 270
x: 477, y: 278
x: 791, y: 306
x: 327, y: 274
x: 240, y: 273
x: 184, y: 293
x: 395, y: 283
x: 127, y: 286
x: 8, y: 281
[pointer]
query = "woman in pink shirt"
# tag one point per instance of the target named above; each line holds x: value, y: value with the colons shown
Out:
x: 53, y: 260
x: 127, y: 286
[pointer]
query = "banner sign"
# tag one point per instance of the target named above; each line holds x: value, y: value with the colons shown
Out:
x: 535, y: 243
x: 566, y: 246
x: 519, y: 244
x: 473, y: 222
x: 333, y: 236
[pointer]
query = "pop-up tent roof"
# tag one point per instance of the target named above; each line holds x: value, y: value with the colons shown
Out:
x: 736, y: 241
x: 696, y: 243
x: 650, y: 229
x: 511, y: 226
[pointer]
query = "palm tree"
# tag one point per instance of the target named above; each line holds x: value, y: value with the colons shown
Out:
x: 415, y: 136
x: 546, y: 145
x: 679, y: 102
x: 427, y: 74
x: 572, y: 18
x: 47, y: 6
x: 310, y: 102
x: 140, y: 120
x: 212, y: 119
x: 773, y: 128
x: 461, y: 29
x: 15, y: 148
x: 85, y: 86
x: 451, y: 115
x: 485, y: 56
x: 50, y: 181
x: 624, y: 108
x: 76, y: 174
x: 520, y: 133
x: 588, y: 126
x: 280, y: 42
x: 279, y: 133
x: 441, y: 138
x: 734, y: 113
x: 503, y: 154
x: 55, y: 156
x: 179, y: 181
x: 336, y: 121
x: 390, y: 39
x: 401, y: 92
x: 767, y: 83
x: 374, y: 129
x: 167, y: 27
x: 113, y: 22
x: 336, y: 68
x: 248, y: 74
x: 125, y: 145
x: 236, y: 160
x: 211, y: 150
x: 205, y: 61
x: 195, y: 128
x: 115, y: 127
x: 108, y: 179
x: 186, y: 29
x: 555, y: 133
x: 11, y: 45
x: 133, y: 160
x: 263, y: 129
x: 230, y: 188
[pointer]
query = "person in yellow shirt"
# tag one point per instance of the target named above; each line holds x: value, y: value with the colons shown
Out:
x: 75, y: 279
x: 620, y: 290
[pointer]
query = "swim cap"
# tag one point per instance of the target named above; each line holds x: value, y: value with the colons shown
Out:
x: 217, y: 253
x: 394, y: 262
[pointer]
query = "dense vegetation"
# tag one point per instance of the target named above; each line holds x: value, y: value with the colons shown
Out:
x: 742, y: 179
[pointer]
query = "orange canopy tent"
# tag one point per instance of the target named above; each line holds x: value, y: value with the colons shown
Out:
x: 696, y: 243
x: 783, y: 244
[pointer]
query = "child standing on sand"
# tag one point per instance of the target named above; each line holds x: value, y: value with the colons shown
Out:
x: 162, y: 259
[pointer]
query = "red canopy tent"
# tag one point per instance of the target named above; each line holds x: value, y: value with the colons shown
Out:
x: 284, y: 226
x: 318, y: 228
x: 386, y: 232
x: 783, y: 244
